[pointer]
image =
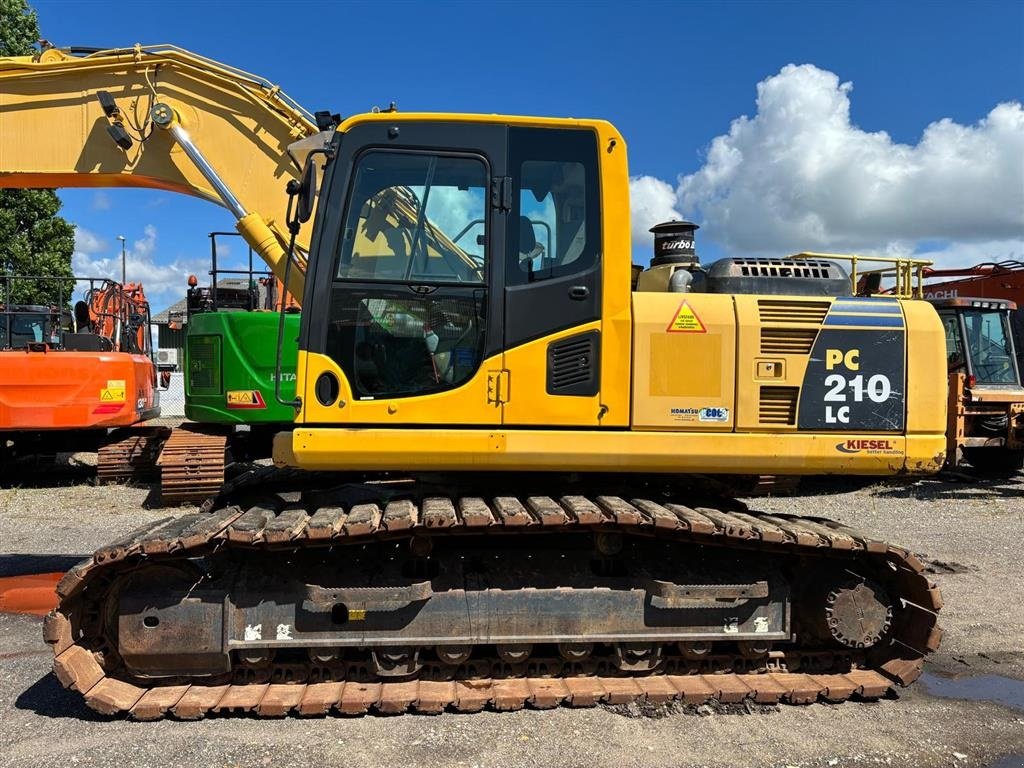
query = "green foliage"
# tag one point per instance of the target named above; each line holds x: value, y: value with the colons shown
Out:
x: 34, y: 240
x: 19, y: 28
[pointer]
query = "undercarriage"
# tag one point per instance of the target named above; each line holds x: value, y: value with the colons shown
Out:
x: 388, y: 597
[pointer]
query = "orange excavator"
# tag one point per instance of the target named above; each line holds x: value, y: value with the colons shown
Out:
x: 79, y: 379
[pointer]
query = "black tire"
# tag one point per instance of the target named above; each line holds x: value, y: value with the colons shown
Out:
x: 999, y: 462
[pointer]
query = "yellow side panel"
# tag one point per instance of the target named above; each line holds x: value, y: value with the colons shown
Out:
x: 769, y: 374
x: 684, y: 370
x: 616, y: 277
x: 467, y: 404
x: 600, y: 450
x: 926, y: 372
x: 528, y: 400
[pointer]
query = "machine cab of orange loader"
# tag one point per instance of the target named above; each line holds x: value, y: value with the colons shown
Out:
x: 67, y: 374
x: 469, y: 304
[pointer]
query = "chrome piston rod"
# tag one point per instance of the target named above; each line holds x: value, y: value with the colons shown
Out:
x: 164, y: 117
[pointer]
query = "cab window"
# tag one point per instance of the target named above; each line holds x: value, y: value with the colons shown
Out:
x: 408, y: 303
x: 405, y: 211
x: 954, y: 349
x: 991, y: 350
x: 555, y: 224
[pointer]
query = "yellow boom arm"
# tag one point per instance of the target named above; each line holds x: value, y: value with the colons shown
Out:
x: 172, y: 120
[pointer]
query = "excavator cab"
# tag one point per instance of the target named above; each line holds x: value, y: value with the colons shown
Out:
x: 25, y: 324
x: 986, y: 398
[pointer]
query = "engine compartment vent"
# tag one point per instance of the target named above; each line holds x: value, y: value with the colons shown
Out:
x: 816, y: 270
x: 573, y: 365
x: 778, y: 405
x: 779, y: 277
x: 776, y: 311
x: 787, y: 341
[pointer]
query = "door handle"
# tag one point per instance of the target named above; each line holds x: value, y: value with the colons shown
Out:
x: 579, y: 292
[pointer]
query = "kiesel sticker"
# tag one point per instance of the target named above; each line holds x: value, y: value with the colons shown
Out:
x: 686, y: 321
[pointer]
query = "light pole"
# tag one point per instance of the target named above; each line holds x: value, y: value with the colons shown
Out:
x: 121, y: 238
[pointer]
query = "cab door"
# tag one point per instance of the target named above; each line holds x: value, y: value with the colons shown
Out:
x: 552, y: 272
x: 403, y: 321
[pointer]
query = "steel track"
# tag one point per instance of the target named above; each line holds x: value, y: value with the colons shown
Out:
x: 191, y: 465
x: 85, y: 659
x: 133, y: 457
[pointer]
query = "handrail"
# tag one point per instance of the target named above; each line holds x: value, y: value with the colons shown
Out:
x: 908, y: 272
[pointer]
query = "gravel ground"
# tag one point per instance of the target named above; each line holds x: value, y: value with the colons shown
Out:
x: 969, y: 533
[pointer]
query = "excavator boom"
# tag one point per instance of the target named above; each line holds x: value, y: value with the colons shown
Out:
x: 156, y: 117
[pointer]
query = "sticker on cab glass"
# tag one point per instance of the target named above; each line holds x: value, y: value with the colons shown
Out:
x: 245, y: 398
x: 114, y: 392
x: 685, y: 320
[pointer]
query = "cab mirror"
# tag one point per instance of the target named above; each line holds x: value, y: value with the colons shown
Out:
x: 307, y: 192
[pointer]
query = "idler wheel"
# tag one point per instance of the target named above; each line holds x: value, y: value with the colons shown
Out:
x: 514, y: 653
x: 857, y: 613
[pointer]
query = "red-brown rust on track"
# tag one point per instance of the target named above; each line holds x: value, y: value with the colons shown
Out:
x: 191, y: 465
x: 315, y: 691
x: 132, y: 456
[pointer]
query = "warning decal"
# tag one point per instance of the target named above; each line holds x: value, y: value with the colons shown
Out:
x: 114, y: 392
x: 686, y: 321
x: 245, y: 398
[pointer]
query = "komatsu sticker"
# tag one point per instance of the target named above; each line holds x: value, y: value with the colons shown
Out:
x: 685, y: 320
x: 684, y: 414
x: 700, y: 414
x: 245, y: 398
x: 114, y: 392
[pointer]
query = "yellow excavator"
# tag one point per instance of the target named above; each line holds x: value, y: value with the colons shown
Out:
x: 499, y: 440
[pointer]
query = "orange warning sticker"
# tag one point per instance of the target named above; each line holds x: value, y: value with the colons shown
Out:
x: 686, y: 321
x: 245, y: 398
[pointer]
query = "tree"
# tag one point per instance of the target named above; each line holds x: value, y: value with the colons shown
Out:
x: 34, y: 240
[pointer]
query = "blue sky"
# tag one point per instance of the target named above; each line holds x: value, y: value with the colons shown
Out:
x: 804, y: 167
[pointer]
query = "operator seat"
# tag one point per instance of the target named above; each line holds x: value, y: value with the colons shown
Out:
x: 529, y: 248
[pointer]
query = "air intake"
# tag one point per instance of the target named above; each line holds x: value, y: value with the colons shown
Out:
x: 775, y: 311
x: 787, y: 341
x: 573, y: 365
x: 778, y: 405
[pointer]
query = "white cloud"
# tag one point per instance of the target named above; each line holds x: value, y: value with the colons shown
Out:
x: 164, y: 283
x: 798, y: 175
x: 100, y: 200
x: 651, y: 202
x: 87, y: 242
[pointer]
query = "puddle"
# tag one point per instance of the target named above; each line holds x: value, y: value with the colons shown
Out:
x: 33, y: 593
x: 1010, y: 761
x: 994, y: 688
